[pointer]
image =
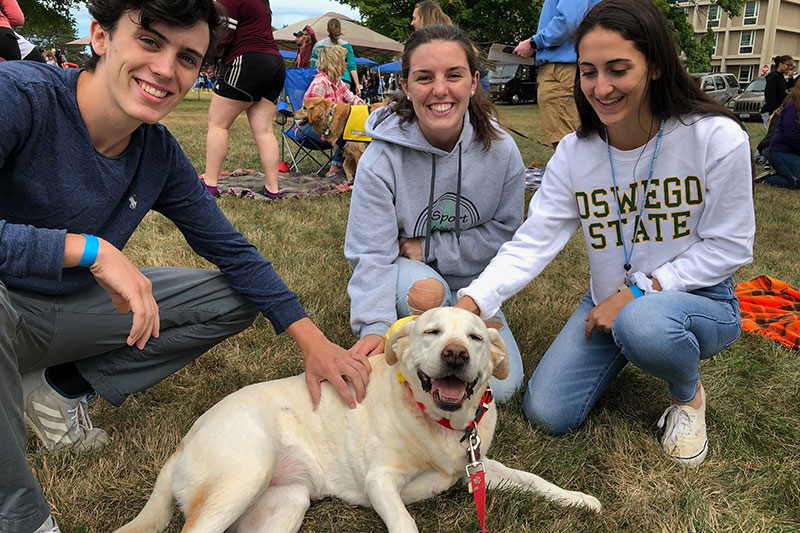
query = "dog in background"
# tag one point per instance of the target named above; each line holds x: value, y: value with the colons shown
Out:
x: 256, y: 459
x: 329, y: 120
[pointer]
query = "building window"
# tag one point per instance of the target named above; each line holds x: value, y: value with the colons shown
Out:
x: 714, y: 68
x: 751, y: 13
x: 716, y: 44
x: 714, y: 14
x: 746, y: 73
x: 746, y: 42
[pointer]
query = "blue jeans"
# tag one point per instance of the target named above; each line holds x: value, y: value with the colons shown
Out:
x: 788, y: 168
x: 307, y: 131
x: 411, y: 271
x: 665, y: 334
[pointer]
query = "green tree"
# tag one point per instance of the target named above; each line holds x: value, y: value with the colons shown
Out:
x: 48, y: 23
x: 485, y: 21
x: 697, y: 52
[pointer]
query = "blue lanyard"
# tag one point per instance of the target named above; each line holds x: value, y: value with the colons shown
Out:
x: 628, y: 253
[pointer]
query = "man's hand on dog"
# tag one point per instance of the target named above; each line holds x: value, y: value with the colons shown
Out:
x: 368, y: 345
x: 411, y: 248
x: 326, y: 361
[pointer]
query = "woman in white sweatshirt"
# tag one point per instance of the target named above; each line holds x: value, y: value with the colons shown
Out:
x: 658, y: 177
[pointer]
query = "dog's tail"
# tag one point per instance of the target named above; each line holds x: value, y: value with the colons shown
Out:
x: 158, y: 510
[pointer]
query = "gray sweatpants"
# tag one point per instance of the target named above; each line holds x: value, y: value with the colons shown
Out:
x: 197, y: 309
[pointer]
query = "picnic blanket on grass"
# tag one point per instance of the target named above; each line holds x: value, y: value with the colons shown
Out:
x: 533, y: 177
x: 247, y: 183
x: 770, y: 308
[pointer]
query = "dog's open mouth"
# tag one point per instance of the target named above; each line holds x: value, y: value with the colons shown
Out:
x: 447, y: 392
x: 302, y: 122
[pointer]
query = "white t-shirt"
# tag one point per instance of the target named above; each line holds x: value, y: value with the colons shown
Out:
x: 698, y: 219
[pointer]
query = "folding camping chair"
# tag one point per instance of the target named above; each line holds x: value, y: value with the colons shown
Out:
x: 294, y: 88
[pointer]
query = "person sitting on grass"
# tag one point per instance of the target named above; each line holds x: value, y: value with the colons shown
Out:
x: 659, y: 178
x: 439, y: 189
x: 784, y: 146
x: 77, y: 317
x: 328, y: 84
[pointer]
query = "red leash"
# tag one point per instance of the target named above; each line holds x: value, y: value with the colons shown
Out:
x: 475, y: 468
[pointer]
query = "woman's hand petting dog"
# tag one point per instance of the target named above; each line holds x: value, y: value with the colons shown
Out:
x: 411, y: 248
x: 368, y: 345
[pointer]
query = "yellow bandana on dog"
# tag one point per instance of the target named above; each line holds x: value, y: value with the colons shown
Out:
x: 397, y: 325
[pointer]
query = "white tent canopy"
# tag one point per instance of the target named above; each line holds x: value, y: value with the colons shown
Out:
x: 83, y: 40
x: 365, y: 42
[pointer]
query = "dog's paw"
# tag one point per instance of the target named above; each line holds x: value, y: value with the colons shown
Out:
x: 586, y: 501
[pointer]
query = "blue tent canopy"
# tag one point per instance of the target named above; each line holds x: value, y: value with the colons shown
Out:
x: 288, y: 54
x: 394, y: 66
x: 363, y: 61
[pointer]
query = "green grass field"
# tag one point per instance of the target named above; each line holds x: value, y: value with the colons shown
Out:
x: 750, y: 481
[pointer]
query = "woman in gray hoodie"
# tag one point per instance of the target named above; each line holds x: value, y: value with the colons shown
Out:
x: 438, y: 191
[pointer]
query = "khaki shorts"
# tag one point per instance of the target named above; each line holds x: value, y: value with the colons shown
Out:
x: 557, y: 110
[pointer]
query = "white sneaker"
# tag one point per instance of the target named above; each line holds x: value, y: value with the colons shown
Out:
x: 685, y: 439
x: 49, y: 526
x: 61, y: 423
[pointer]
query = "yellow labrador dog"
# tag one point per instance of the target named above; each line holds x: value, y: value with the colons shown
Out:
x: 255, y: 460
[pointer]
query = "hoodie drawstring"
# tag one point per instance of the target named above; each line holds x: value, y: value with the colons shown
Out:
x: 430, y: 209
x: 458, y: 199
x: 429, y: 223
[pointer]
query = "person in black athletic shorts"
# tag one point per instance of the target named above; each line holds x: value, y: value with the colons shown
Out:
x: 250, y: 80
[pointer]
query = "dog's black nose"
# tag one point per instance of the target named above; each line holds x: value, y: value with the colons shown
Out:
x: 455, y: 354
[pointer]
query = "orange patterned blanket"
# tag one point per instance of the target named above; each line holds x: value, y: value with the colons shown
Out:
x: 770, y: 308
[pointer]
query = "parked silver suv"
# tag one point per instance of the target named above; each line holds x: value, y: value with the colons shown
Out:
x: 718, y: 85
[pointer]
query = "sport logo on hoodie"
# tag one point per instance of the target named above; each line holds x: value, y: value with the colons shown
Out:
x: 443, y: 214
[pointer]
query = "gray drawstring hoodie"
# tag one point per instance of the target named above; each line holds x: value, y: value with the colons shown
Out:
x: 462, y: 205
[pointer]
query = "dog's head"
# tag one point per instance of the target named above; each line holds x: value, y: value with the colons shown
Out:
x: 447, y: 355
x: 315, y: 111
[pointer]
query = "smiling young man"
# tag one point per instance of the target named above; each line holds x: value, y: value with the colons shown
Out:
x: 82, y: 160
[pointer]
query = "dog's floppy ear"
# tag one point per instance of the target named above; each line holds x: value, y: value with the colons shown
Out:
x: 317, y: 109
x: 499, y: 353
x: 397, y: 343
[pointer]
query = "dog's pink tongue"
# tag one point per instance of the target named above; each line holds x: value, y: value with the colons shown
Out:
x: 449, y: 388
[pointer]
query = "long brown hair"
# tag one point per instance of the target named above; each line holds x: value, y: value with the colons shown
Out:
x: 481, y: 110
x: 431, y: 13
x: 334, y: 30
x: 674, y: 93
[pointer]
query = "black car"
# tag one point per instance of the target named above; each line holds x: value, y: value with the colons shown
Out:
x: 513, y: 83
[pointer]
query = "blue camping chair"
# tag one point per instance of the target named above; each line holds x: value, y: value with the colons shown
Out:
x: 294, y: 88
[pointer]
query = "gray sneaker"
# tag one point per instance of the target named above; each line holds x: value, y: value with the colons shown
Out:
x: 62, y: 423
x: 49, y: 526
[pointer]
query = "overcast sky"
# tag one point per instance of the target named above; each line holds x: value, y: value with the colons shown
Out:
x: 284, y: 12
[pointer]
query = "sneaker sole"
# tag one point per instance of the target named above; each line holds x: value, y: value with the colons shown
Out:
x: 695, y: 460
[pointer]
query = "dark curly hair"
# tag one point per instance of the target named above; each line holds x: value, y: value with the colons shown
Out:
x: 481, y: 110
x: 180, y: 13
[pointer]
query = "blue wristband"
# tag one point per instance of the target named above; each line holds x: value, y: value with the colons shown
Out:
x: 90, y: 248
x: 637, y: 292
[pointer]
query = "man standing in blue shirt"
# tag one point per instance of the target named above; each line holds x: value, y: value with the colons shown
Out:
x: 554, y: 46
x: 82, y: 160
